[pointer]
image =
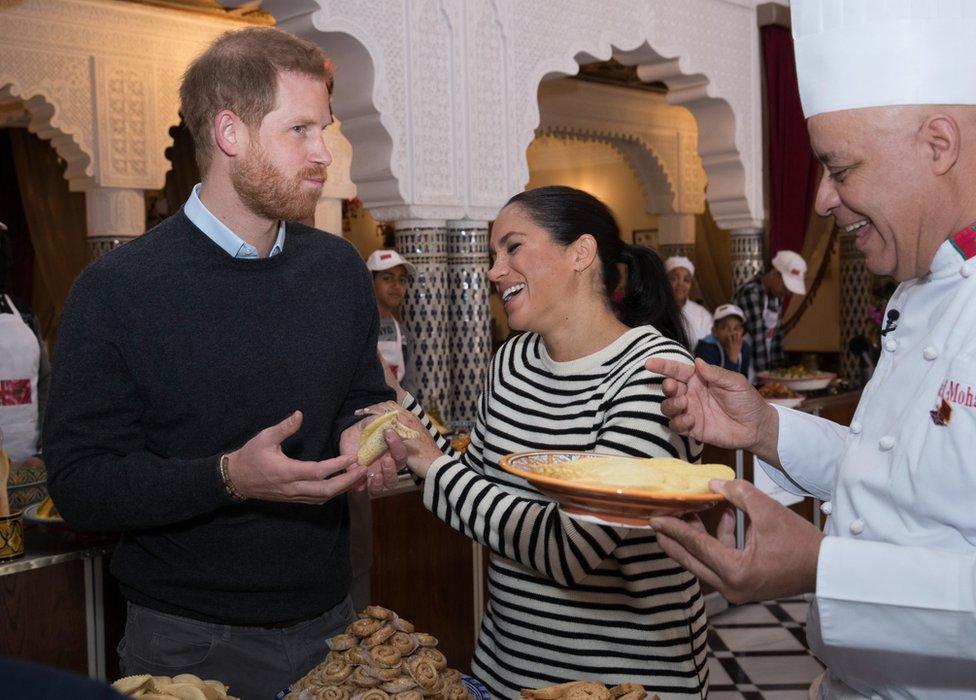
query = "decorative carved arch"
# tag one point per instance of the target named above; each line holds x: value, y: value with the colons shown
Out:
x: 652, y: 175
x: 45, y: 121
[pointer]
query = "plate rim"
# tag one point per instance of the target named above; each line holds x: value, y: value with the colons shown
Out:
x: 585, y: 489
x: 31, y: 516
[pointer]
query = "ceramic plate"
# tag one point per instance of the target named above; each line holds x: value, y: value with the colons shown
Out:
x: 31, y: 516
x: 594, y: 503
x: 789, y: 403
x: 820, y: 380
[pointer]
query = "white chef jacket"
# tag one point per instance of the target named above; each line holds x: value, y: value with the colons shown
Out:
x: 895, y: 607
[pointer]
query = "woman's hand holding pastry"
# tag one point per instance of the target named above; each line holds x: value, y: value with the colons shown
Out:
x: 410, y: 435
x: 381, y: 471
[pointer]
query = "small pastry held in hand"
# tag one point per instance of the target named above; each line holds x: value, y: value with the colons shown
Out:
x: 372, y: 443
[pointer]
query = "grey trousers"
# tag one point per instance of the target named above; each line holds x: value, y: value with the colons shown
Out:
x: 255, y: 662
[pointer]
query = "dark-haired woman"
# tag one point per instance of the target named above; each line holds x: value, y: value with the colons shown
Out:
x: 571, y: 600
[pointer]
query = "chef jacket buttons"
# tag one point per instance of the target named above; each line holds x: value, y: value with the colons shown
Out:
x: 856, y: 427
x: 826, y: 507
x: 886, y: 443
x: 857, y: 527
x: 930, y: 353
x: 891, y: 345
x: 966, y: 270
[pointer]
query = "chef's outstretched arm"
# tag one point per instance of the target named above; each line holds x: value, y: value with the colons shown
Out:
x: 717, y: 407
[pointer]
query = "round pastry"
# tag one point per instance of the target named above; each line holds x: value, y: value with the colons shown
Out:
x: 404, y: 643
x: 588, y: 691
x: 341, y: 642
x: 384, y: 674
x: 624, y: 688
x: 401, y: 684
x: 379, y: 613
x: 379, y: 636
x: 336, y: 671
x: 423, y: 671
x: 409, y: 695
x: 426, y: 640
x: 358, y: 656
x: 385, y: 656
x: 436, y: 691
x: 364, y: 626
x: 432, y: 655
x: 451, y: 676
x: 362, y: 679
x: 403, y: 625
x: 328, y: 692
x: 457, y: 691
x: 373, y: 694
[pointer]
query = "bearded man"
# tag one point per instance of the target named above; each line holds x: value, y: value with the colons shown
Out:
x: 206, y: 375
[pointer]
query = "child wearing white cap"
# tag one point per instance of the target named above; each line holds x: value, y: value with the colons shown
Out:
x: 726, y: 345
x: 695, y: 317
x: 391, y: 277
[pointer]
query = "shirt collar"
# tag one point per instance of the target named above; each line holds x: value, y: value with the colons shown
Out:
x: 217, y: 231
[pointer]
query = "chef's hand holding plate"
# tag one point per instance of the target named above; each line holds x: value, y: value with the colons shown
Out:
x: 778, y: 561
x: 719, y: 407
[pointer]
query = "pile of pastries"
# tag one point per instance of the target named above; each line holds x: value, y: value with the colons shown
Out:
x: 381, y: 656
x: 587, y: 690
x: 185, y: 687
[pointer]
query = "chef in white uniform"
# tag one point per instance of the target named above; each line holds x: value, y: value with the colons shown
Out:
x: 888, y: 90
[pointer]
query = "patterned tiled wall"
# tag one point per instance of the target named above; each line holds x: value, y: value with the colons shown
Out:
x: 855, y: 296
x: 425, y: 313
x: 747, y: 255
x: 686, y: 250
x: 469, y: 317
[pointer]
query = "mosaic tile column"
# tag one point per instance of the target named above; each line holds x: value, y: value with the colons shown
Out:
x: 747, y: 255
x: 114, y: 216
x: 469, y: 316
x: 426, y: 310
x: 855, y: 298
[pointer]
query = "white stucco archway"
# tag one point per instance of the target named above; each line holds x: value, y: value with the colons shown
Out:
x: 452, y: 85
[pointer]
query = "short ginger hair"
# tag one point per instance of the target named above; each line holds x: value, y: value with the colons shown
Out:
x: 239, y: 71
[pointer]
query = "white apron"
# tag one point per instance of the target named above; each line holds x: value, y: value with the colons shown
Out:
x: 392, y: 353
x: 20, y: 358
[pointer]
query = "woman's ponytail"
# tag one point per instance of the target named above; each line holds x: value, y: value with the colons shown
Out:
x: 648, y: 298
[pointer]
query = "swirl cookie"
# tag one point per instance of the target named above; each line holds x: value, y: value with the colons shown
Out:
x: 379, y: 636
x: 364, y: 626
x: 342, y: 642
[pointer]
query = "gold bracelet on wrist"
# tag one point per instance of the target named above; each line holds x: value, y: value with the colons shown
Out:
x: 225, y: 477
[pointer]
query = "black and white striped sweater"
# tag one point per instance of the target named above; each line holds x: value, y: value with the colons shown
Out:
x: 569, y: 600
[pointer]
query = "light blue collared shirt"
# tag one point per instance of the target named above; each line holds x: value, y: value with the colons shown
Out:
x: 218, y: 232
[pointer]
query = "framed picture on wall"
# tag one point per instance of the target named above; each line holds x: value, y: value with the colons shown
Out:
x: 646, y: 237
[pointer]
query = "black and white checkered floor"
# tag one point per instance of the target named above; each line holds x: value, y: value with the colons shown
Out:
x: 759, y: 652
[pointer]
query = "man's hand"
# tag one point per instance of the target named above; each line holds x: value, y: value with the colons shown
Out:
x: 261, y: 470
x: 382, y: 473
x: 719, y: 407
x: 779, y: 559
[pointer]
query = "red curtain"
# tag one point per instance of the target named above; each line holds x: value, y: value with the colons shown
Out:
x: 792, y: 168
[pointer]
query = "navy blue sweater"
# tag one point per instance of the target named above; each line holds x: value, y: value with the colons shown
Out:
x: 171, y: 353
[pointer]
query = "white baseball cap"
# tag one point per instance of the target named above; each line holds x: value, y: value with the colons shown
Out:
x: 385, y: 259
x: 726, y: 310
x: 794, y: 270
x: 679, y: 261
x: 876, y: 53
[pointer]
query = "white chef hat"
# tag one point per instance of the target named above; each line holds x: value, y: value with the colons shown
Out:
x: 679, y: 261
x: 380, y: 260
x: 874, y: 53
